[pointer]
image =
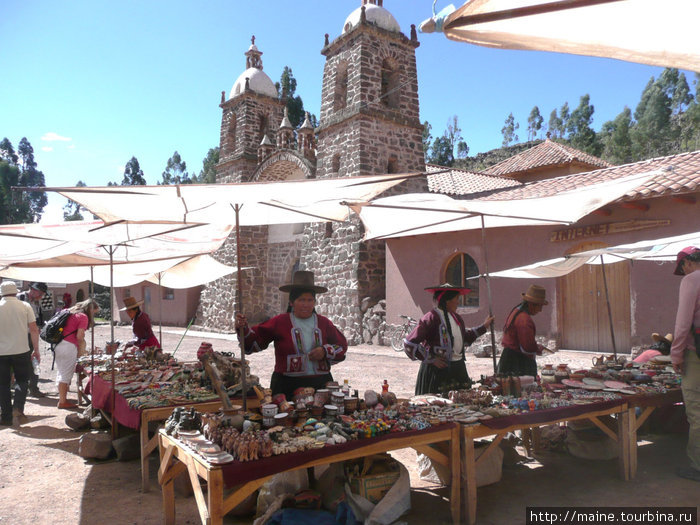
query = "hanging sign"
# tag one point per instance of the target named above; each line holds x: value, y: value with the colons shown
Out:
x: 608, y: 228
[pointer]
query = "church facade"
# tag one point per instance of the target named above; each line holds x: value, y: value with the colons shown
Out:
x: 369, y: 124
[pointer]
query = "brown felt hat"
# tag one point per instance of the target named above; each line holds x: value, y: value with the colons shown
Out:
x: 657, y: 338
x: 129, y: 303
x: 536, y: 295
x: 303, y: 280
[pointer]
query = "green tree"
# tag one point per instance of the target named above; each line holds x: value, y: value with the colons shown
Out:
x: 443, y: 148
x: 176, y: 171
x: 7, y: 152
x: 508, y: 131
x: 286, y: 88
x: 564, y: 115
x: 73, y: 211
x: 653, y: 134
x: 441, y: 152
x: 208, y: 173
x: 12, y: 210
x: 554, y: 125
x: 534, y: 123
x: 427, y: 136
x: 581, y: 134
x: 31, y: 177
x: 616, y: 139
x: 133, y: 175
x: 690, y: 122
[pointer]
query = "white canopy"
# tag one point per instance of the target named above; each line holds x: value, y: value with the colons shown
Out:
x: 87, y: 243
x: 664, y: 249
x: 424, y: 213
x: 180, y: 272
x: 645, y: 31
x: 282, y: 202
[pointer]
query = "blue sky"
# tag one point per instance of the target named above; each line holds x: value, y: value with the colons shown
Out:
x: 93, y: 83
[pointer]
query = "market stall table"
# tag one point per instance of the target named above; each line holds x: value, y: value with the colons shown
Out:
x: 101, y: 392
x: 243, y: 478
x: 647, y: 403
x: 500, y: 426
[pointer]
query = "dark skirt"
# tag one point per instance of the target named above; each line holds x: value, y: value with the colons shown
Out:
x: 517, y: 364
x: 434, y: 380
x: 282, y: 384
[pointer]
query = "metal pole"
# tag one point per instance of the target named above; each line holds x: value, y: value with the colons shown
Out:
x: 92, y: 336
x: 111, y: 327
x: 488, y: 288
x: 607, y: 301
x: 160, y: 310
x: 241, y: 341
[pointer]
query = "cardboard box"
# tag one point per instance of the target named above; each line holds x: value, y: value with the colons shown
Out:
x: 372, y: 477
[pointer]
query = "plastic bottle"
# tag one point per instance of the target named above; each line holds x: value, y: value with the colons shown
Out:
x: 385, y: 387
x: 35, y: 365
x: 346, y: 387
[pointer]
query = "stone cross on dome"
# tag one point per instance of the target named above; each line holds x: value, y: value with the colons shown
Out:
x: 375, y: 2
x: 253, y: 56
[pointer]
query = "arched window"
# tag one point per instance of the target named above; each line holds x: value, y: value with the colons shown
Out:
x: 458, y: 269
x: 390, y: 84
x: 262, y: 127
x: 340, y: 93
x: 392, y: 166
x: 232, y: 132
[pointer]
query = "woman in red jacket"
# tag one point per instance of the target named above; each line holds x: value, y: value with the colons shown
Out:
x: 439, y: 340
x: 306, y: 344
x: 140, y: 324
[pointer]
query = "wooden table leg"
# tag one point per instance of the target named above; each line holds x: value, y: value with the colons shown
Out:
x: 168, y: 492
x: 455, y: 474
x: 215, y: 497
x: 623, y: 442
x: 143, y: 431
x: 632, y: 422
x: 468, y: 477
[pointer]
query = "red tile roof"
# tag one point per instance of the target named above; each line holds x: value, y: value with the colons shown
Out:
x: 679, y: 174
x: 451, y: 181
x: 545, y: 154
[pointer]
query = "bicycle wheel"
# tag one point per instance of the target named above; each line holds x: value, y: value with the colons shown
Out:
x: 397, y: 339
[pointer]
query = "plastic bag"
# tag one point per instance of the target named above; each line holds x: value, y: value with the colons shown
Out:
x: 280, y: 484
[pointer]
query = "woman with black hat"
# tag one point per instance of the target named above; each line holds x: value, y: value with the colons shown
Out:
x: 439, y: 341
x: 306, y: 344
x: 519, y: 344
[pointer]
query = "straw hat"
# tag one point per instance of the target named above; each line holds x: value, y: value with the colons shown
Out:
x: 680, y: 257
x: 303, y: 280
x: 8, y: 288
x: 667, y: 339
x: 129, y: 303
x: 536, y: 295
x: 40, y: 287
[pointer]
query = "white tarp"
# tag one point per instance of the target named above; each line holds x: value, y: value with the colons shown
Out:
x: 654, y: 32
x: 181, y: 272
x: 424, y: 213
x: 285, y: 202
x: 87, y: 243
x: 664, y: 249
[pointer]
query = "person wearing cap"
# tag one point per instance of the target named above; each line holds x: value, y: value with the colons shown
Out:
x: 685, y: 352
x: 16, y: 321
x: 520, y: 348
x: 661, y: 346
x: 439, y: 340
x: 140, y: 324
x: 81, y: 319
x: 33, y: 296
x: 306, y: 344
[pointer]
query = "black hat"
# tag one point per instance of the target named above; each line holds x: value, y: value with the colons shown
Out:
x: 41, y: 287
x: 303, y: 280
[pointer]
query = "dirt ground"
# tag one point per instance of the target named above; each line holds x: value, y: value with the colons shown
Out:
x: 43, y: 480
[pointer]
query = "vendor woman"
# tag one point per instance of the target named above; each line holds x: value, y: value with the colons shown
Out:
x: 519, y: 345
x: 439, y: 341
x: 140, y: 324
x: 306, y: 344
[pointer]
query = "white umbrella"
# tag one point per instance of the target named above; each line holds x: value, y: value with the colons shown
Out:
x: 645, y: 31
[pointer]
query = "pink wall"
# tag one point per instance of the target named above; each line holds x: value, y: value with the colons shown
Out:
x: 416, y: 262
x: 175, y: 312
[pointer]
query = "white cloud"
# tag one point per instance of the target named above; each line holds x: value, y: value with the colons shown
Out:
x: 46, y: 148
x: 51, y: 137
x: 71, y: 146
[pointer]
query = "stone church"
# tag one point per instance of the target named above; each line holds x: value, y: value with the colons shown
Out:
x: 369, y: 124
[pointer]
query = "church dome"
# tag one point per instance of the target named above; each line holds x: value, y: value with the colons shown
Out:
x: 259, y: 82
x: 375, y: 14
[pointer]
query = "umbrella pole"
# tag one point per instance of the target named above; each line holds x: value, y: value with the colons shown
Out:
x: 92, y: 334
x: 160, y: 310
x: 607, y: 301
x: 111, y: 331
x: 488, y: 288
x: 239, y: 295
